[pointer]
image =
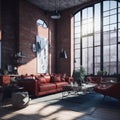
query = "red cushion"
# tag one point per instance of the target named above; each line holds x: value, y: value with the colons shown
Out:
x: 47, y: 77
x: 42, y: 80
x: 57, y: 78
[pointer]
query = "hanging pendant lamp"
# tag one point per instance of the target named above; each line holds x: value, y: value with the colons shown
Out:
x: 56, y: 14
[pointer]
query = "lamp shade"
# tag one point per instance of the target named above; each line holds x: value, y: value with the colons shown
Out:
x: 56, y: 15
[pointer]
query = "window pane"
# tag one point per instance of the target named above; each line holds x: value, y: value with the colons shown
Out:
x: 113, y: 19
x: 106, y: 5
x: 113, y: 53
x: 77, y: 35
x: 106, y: 28
x: 119, y: 35
x: 77, y: 53
x: 106, y: 38
x: 113, y: 37
x: 90, y: 26
x: 84, y: 58
x: 118, y: 10
x: 106, y: 55
x: 77, y: 17
x: 77, y: 46
x: 106, y: 13
x: 113, y: 27
x: 77, y: 63
x: 90, y: 12
x: 77, y: 23
x: 97, y: 55
x: 113, y: 4
x: 84, y: 14
x: 97, y: 39
x: 84, y: 29
x: 97, y: 18
x: 90, y: 41
x: 112, y: 68
x: 77, y: 40
x: 84, y: 42
x: 90, y: 61
x: 118, y: 17
x: 106, y: 20
x: 106, y: 59
x: 119, y: 58
x: 113, y: 11
x: 77, y: 29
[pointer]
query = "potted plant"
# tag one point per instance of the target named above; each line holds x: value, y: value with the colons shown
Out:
x: 79, y: 75
x: 102, y: 73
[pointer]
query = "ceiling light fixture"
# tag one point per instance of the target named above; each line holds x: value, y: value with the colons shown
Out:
x: 56, y: 14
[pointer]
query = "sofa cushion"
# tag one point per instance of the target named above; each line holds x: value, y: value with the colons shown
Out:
x: 48, y: 78
x: 47, y: 86
x: 60, y: 84
x: 57, y: 79
x: 63, y: 77
x: 42, y: 80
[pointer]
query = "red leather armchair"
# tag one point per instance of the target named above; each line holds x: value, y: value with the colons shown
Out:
x: 110, y: 89
x: 94, y: 79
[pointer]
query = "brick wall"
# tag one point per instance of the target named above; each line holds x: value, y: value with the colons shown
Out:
x: 65, y: 39
x: 0, y: 34
x: 28, y: 15
x: 9, y: 29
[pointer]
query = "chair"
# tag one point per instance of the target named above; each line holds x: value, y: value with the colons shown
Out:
x: 94, y: 79
x: 110, y: 89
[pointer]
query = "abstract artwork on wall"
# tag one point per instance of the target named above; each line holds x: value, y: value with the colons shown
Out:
x: 42, y: 54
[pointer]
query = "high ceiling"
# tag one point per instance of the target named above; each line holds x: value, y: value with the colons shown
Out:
x: 52, y: 5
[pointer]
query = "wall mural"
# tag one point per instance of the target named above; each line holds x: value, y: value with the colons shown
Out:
x: 42, y: 54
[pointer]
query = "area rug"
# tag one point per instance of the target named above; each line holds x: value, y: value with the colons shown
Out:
x: 86, y: 103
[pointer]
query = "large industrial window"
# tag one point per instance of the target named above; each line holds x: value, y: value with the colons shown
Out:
x: 97, y: 38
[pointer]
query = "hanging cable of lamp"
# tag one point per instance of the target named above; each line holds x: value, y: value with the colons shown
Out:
x: 56, y: 14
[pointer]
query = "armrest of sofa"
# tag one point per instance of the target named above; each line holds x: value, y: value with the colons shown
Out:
x: 111, y: 90
x: 30, y: 85
x: 69, y: 79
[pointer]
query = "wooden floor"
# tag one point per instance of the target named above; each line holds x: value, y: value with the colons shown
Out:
x: 43, y: 111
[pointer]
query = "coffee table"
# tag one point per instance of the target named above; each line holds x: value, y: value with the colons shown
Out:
x: 70, y: 90
x: 76, y: 89
x: 88, y: 87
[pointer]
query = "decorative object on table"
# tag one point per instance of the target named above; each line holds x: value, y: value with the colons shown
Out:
x: 79, y: 75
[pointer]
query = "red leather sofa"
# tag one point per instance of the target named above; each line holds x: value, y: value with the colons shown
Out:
x: 109, y: 89
x: 94, y: 79
x: 38, y: 85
